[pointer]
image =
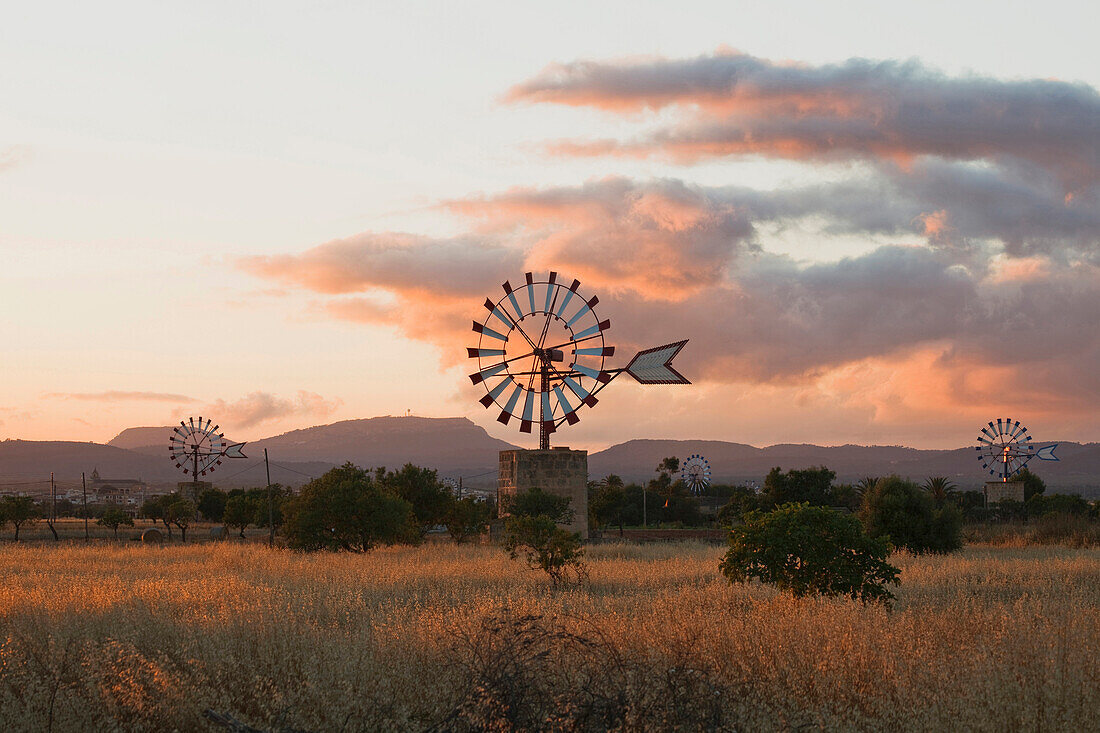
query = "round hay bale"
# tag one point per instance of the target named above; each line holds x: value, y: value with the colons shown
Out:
x: 219, y: 533
x: 152, y: 536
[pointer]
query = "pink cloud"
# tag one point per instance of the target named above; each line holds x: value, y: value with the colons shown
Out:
x: 733, y: 104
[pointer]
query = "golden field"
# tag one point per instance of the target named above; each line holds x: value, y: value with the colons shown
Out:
x: 124, y: 637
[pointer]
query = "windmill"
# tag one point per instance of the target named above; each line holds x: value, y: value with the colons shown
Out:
x: 198, y: 449
x: 695, y: 473
x: 1005, y: 448
x: 542, y: 355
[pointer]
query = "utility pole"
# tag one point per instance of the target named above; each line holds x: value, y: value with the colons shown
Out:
x: 459, y: 487
x: 84, y: 486
x: 270, y: 503
x: 645, y: 524
x: 53, y: 510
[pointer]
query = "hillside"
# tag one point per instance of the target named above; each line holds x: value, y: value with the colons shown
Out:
x: 454, y: 445
x: 635, y: 460
x: 458, y: 447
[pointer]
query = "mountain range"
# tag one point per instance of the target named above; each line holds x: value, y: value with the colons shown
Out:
x: 456, y: 447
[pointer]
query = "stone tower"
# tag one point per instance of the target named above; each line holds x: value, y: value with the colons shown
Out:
x: 557, y: 471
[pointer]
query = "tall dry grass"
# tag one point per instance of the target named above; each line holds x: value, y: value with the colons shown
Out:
x: 138, y: 638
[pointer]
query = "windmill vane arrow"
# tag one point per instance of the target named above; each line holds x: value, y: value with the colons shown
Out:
x: 654, y: 366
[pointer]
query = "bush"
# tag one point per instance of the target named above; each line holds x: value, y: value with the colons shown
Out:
x: 114, y: 518
x: 545, y: 546
x: 538, y: 503
x: 467, y: 517
x: 810, y: 550
x: 430, y: 500
x: 902, y: 512
x: 346, y: 510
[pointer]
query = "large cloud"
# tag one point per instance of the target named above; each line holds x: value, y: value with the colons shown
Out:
x: 753, y: 316
x: 735, y: 104
x: 978, y: 285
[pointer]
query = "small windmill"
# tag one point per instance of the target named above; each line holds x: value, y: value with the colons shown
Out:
x: 695, y: 473
x: 198, y: 449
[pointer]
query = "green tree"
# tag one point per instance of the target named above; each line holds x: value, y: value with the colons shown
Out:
x: 939, y: 488
x: 212, y: 504
x: 742, y: 501
x: 20, y: 511
x: 180, y: 513
x: 239, y: 512
x: 345, y: 509
x: 810, y: 550
x: 901, y: 511
x: 154, y: 508
x: 666, y: 484
x: 1033, y: 485
x: 811, y: 485
x: 608, y: 503
x: 545, y: 546
x: 538, y: 503
x: 114, y: 518
x: 279, y: 496
x: 420, y: 487
x: 1039, y: 505
x: 864, y: 485
x: 467, y: 517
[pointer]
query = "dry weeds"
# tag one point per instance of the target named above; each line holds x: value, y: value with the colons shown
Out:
x: 140, y: 638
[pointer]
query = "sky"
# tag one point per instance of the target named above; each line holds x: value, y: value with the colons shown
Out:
x: 876, y: 223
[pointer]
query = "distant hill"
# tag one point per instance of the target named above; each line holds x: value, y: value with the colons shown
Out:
x: 457, y: 447
x: 636, y: 460
x: 144, y: 440
x: 453, y: 446
x: 33, y: 460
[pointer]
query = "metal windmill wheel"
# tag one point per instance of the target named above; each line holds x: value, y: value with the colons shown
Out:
x: 198, y: 449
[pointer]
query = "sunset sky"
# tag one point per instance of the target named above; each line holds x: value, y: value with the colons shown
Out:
x: 877, y: 223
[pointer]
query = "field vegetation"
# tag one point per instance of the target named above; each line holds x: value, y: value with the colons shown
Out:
x: 460, y: 637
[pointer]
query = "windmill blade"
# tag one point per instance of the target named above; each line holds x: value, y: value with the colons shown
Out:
x: 654, y: 366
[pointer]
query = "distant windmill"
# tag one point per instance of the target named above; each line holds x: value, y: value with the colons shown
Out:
x: 198, y: 449
x: 695, y: 472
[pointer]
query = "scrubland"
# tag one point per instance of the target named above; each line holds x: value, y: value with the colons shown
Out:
x: 122, y: 637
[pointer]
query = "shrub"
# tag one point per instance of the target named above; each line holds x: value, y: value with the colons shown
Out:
x: 19, y: 511
x: 346, y: 510
x: 467, y: 517
x: 538, y: 503
x: 907, y: 515
x: 113, y: 518
x: 810, y: 550
x: 545, y: 546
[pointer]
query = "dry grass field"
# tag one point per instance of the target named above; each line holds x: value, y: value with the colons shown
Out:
x: 124, y: 637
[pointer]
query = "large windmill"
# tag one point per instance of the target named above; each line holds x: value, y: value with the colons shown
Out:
x: 542, y: 356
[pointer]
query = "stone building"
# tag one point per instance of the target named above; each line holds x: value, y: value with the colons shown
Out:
x: 121, y: 491
x: 557, y: 471
x: 998, y: 490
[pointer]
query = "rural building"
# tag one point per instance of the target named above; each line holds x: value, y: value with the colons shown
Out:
x: 559, y: 471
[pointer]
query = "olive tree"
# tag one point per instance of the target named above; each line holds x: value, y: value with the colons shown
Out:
x: 810, y: 550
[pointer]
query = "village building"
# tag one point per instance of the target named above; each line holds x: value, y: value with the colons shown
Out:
x: 120, y: 491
